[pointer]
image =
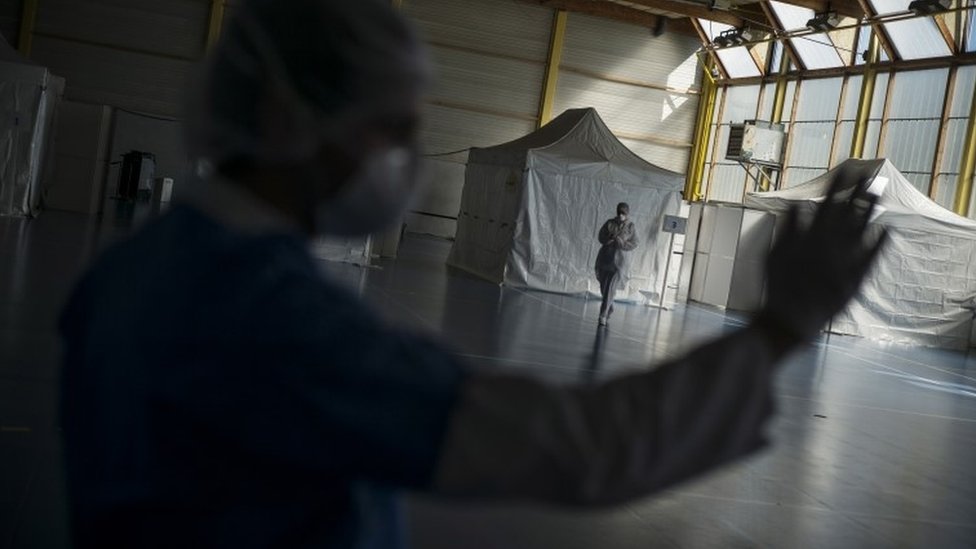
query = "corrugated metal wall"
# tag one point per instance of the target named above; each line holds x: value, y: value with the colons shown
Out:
x: 10, y: 20
x: 947, y: 179
x: 490, y: 62
x: 646, y: 88
x: 134, y: 54
x: 914, y: 119
x: 489, y: 59
x: 812, y: 132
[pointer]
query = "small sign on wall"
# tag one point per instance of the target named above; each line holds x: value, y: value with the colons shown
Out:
x: 675, y: 224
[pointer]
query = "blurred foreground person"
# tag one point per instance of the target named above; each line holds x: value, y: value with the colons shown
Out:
x: 219, y: 392
x: 616, y: 236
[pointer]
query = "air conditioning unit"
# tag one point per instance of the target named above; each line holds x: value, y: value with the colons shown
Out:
x: 756, y: 142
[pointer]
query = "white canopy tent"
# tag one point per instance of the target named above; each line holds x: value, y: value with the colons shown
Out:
x: 531, y: 209
x: 923, y: 288
x: 29, y: 98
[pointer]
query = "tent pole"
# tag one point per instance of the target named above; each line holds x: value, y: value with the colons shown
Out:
x: 864, y: 104
x: 553, y: 60
x: 216, y: 22
x: 703, y: 133
x: 779, y: 100
x: 964, y: 189
x: 28, y: 18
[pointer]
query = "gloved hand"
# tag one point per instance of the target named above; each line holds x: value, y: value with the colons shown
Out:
x: 813, y: 271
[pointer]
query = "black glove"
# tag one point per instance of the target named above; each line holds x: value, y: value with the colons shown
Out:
x: 813, y: 271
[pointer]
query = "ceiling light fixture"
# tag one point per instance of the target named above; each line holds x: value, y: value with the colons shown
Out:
x: 823, y: 22
x: 928, y: 7
x: 734, y: 37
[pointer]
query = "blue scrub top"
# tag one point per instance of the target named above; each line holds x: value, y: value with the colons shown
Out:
x: 219, y: 392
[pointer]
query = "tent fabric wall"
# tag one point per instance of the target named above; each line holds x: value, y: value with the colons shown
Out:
x: 531, y: 209
x: 29, y: 97
x: 923, y: 286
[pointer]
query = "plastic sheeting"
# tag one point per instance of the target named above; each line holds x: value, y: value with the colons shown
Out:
x: 923, y: 287
x: 531, y: 209
x: 29, y: 97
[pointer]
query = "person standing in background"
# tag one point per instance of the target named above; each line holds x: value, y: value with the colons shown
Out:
x: 616, y: 237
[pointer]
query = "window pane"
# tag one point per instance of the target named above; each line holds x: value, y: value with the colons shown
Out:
x: 880, y: 92
x: 954, y: 140
x: 738, y: 62
x: 871, y: 139
x: 796, y: 176
x: 917, y: 38
x: 845, y: 136
x: 962, y: 96
x: 918, y: 94
x: 776, y: 58
x: 853, y: 97
x: 889, y: 6
x: 910, y: 144
x: 740, y: 104
x: 766, y: 107
x: 810, y: 144
x: 971, y: 27
x: 819, y: 99
x: 945, y: 190
x: 788, y: 102
x: 728, y: 183
x: 792, y: 17
x: 817, y: 51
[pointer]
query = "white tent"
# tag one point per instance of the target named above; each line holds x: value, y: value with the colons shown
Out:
x: 923, y: 288
x: 29, y: 97
x: 531, y: 208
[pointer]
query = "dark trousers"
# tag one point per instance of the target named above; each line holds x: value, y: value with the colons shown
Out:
x: 608, y: 288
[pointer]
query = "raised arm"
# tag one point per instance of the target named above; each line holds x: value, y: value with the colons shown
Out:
x: 628, y: 240
x: 512, y: 437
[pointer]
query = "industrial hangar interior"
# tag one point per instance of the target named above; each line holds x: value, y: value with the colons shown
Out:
x: 737, y: 109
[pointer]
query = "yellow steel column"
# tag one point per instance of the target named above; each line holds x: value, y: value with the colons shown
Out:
x: 398, y: 4
x: 28, y: 18
x: 779, y: 100
x: 864, y: 103
x: 964, y: 189
x: 703, y: 134
x: 216, y: 21
x: 552, y: 67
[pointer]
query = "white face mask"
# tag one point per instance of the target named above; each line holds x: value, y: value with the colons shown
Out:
x: 374, y: 198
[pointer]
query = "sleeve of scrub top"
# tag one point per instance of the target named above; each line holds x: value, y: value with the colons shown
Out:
x: 323, y: 386
x: 512, y: 437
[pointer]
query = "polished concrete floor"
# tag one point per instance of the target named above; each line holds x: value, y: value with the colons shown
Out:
x: 874, y: 445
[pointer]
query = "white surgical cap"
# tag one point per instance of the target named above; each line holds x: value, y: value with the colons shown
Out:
x: 285, y: 74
